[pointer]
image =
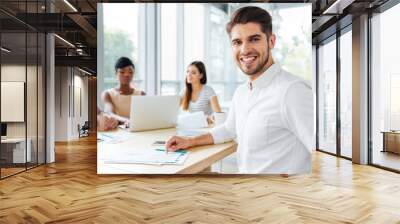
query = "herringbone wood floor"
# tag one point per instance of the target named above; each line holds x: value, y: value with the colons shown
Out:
x: 69, y: 191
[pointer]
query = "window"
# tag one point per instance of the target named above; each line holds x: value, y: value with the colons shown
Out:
x: 293, y: 44
x: 193, y: 33
x: 23, y: 77
x: 394, y: 101
x: 170, y: 78
x: 385, y: 87
x: 182, y: 42
x: 183, y: 33
x: 121, y: 38
x: 346, y: 94
x: 223, y: 74
x: 327, y: 96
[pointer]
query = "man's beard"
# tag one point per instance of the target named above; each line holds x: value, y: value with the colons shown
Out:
x: 260, y: 67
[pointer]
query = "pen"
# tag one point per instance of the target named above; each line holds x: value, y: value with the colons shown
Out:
x: 166, y: 151
x: 182, y: 151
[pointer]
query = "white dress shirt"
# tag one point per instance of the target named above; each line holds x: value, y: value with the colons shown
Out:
x: 272, y: 120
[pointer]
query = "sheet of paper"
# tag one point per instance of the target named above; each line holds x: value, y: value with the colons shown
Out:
x: 192, y: 120
x: 152, y: 156
x: 111, y: 138
x: 181, y: 160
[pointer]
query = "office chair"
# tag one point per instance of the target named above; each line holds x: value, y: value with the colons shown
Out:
x: 84, y: 130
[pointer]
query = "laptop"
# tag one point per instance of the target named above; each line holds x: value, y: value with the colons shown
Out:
x: 153, y: 112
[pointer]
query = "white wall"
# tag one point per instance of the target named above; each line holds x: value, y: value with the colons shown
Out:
x: 61, y: 104
x: 14, y: 73
x: 33, y: 127
x: 17, y: 73
x: 70, y: 84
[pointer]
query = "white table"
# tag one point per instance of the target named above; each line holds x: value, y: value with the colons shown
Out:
x: 199, y: 158
x: 19, y: 155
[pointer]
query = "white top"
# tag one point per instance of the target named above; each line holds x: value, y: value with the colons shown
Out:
x: 203, y: 102
x: 273, y: 123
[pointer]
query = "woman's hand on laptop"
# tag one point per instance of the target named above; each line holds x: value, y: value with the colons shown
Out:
x: 176, y: 143
x: 105, y: 122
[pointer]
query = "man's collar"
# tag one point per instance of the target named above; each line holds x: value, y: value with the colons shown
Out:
x: 264, y: 79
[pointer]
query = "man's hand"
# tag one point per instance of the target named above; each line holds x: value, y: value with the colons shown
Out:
x: 176, y: 143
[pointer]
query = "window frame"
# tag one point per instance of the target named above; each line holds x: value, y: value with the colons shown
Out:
x: 334, y: 37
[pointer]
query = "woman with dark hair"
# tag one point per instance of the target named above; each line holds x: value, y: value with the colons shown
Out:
x: 197, y: 96
x: 117, y: 101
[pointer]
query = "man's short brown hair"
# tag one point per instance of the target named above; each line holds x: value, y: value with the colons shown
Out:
x: 251, y: 14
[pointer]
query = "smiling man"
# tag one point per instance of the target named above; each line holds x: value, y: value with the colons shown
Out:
x: 271, y: 116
